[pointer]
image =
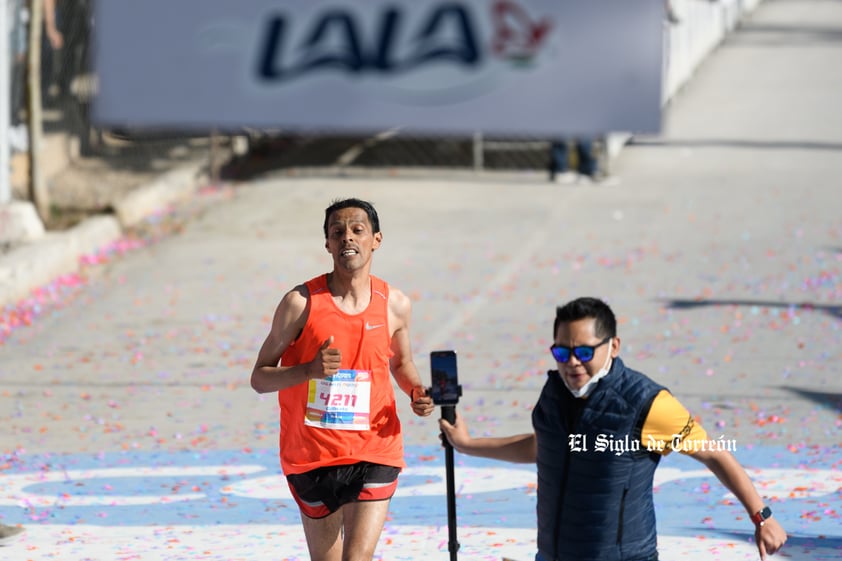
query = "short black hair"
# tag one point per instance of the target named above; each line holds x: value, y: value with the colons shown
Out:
x: 366, y: 206
x: 605, y: 324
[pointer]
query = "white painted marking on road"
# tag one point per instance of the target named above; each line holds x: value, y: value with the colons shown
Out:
x: 463, y: 312
x: 13, y: 486
x: 468, y: 480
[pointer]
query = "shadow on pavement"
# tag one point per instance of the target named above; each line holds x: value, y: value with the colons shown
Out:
x: 834, y: 310
x: 768, y: 35
x: 792, y: 542
x: 832, y: 400
x: 738, y: 143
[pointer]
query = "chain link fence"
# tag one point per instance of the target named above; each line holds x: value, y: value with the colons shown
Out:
x: 387, y: 151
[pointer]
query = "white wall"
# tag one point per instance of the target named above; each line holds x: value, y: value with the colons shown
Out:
x: 703, y: 26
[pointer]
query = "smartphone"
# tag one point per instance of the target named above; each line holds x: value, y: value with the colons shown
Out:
x: 445, y: 389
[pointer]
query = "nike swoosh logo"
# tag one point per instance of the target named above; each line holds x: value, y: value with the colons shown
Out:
x: 369, y: 327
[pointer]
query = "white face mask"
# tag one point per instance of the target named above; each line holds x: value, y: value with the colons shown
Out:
x: 590, y: 385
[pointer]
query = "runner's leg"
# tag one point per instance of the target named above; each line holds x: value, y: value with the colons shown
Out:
x: 324, y: 536
x: 363, y: 525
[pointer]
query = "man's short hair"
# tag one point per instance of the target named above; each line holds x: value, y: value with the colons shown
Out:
x: 605, y: 324
x: 366, y: 206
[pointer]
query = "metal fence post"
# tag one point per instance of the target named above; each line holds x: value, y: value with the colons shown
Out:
x: 5, y: 104
x: 38, y: 193
x: 215, y: 157
x: 479, y: 150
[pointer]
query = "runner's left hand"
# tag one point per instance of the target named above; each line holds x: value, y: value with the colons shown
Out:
x: 422, y: 404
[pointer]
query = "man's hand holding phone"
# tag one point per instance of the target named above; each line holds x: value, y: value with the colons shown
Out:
x: 422, y: 403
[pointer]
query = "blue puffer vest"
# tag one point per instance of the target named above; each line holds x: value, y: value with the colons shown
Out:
x: 594, y: 488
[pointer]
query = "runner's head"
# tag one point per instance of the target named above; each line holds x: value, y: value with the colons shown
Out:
x: 352, y: 234
x: 366, y: 206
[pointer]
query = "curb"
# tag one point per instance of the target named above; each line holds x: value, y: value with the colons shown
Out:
x: 39, y: 262
x: 170, y: 188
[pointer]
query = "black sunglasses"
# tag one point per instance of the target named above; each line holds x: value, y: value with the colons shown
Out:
x: 584, y: 353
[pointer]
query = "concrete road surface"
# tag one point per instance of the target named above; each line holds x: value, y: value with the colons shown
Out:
x: 131, y: 432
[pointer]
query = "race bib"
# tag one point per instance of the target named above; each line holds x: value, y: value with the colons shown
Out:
x: 341, y: 401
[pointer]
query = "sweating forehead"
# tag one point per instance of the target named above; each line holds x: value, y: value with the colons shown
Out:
x: 345, y: 215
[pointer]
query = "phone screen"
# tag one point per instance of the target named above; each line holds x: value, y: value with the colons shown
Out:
x: 445, y: 390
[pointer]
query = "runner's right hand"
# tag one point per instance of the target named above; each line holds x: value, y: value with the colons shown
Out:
x: 326, y: 362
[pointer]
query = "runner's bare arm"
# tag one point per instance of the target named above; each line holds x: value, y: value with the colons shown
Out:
x: 290, y: 317
x: 401, y: 364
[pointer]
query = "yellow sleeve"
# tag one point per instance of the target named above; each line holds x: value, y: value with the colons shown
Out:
x: 669, y: 426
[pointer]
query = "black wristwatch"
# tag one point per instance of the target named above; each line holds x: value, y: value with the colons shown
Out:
x: 759, y: 518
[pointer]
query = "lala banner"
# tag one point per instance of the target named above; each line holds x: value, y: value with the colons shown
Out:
x: 533, y: 67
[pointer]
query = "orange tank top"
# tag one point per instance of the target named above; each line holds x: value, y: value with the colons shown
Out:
x: 312, y: 411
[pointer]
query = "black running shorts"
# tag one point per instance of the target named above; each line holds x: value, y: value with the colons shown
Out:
x: 322, y: 491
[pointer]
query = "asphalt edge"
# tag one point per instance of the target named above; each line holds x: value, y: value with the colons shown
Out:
x: 56, y: 254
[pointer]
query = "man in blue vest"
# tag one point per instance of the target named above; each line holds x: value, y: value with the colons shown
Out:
x: 595, y: 504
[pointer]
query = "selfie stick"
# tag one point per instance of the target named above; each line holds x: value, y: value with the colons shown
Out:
x: 448, y: 413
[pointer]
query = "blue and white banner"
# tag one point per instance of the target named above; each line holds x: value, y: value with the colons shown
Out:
x: 536, y: 67
x: 227, y: 505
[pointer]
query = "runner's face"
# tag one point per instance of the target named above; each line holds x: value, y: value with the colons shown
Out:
x: 350, y: 240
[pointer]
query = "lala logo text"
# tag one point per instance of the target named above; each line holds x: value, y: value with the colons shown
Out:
x: 447, y: 34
